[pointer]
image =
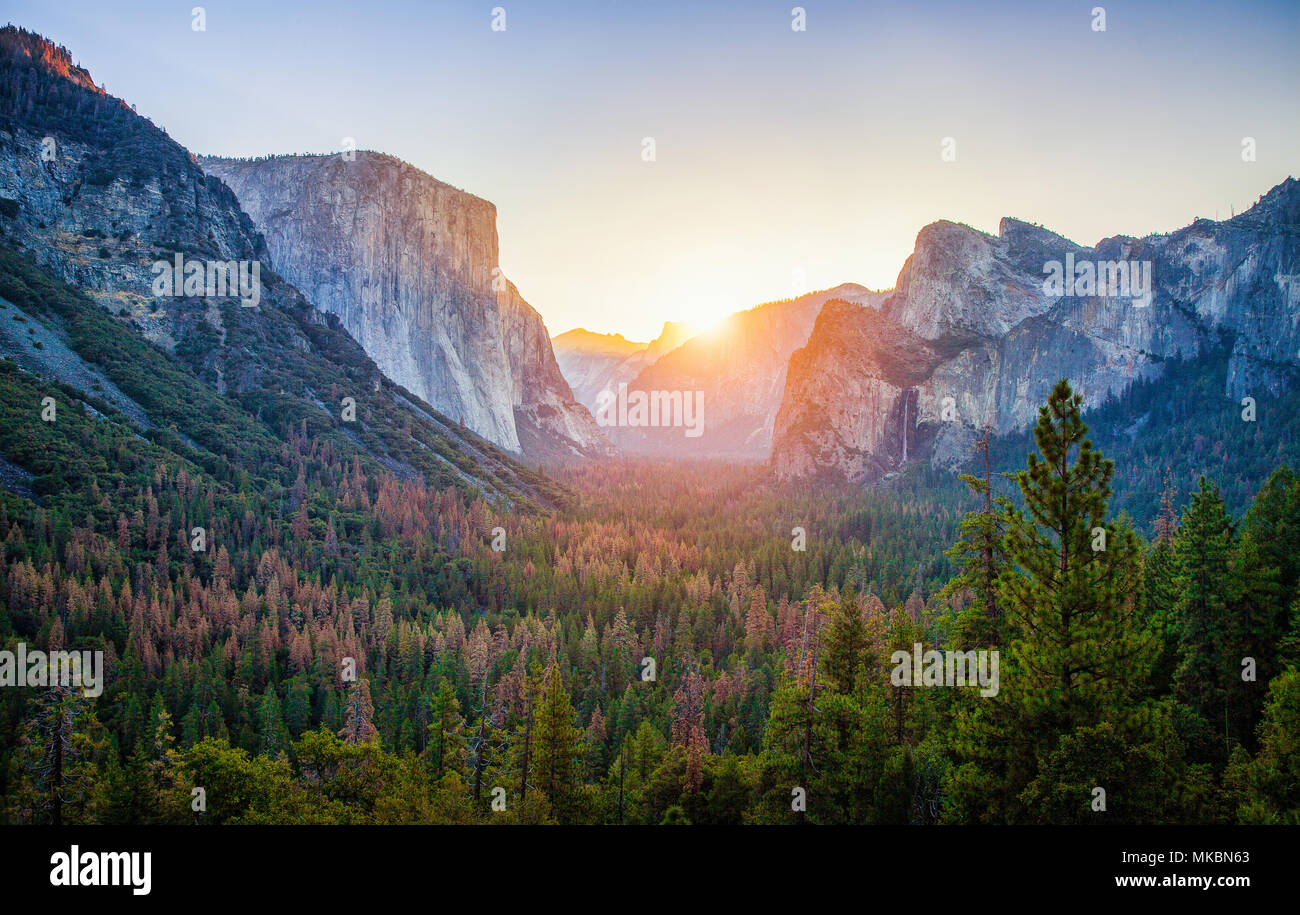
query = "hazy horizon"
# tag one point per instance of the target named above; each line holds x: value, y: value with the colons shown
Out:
x: 786, y: 161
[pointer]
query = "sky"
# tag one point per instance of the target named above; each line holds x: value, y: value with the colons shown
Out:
x: 784, y: 161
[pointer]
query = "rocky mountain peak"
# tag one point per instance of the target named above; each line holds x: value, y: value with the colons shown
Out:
x: 972, y: 338
x: 1280, y: 206
x: 95, y: 214
x: 960, y: 284
x: 674, y: 334
x: 45, y: 56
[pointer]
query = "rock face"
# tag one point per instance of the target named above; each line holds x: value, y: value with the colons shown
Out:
x: 409, y: 264
x: 99, y: 193
x: 974, y: 336
x: 550, y: 424
x: 100, y: 198
x: 740, y: 366
x: 850, y: 395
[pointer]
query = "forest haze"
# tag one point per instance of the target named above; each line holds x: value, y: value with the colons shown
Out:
x: 349, y: 547
x: 666, y: 643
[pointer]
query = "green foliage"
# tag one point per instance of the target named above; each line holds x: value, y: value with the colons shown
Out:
x: 1272, y: 780
x: 1073, y: 733
x: 522, y: 670
x: 1070, y: 588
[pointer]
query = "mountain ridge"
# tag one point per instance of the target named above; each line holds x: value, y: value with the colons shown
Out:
x: 982, y: 301
x: 594, y: 363
x: 98, y: 197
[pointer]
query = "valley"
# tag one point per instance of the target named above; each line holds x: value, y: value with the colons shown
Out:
x: 357, y: 541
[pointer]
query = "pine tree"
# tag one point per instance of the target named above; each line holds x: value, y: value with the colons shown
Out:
x: 904, y: 633
x: 1273, y: 520
x: 55, y: 760
x: 522, y: 741
x: 359, y: 715
x: 688, y: 728
x: 1166, y: 523
x: 1160, y: 590
x: 847, y: 647
x: 273, y: 737
x: 1204, y: 551
x: 1272, y: 790
x: 557, y: 743
x: 982, y: 558
x: 446, y: 749
x: 1080, y: 657
x: 1253, y: 641
x: 164, y: 766
x: 1071, y: 587
x: 594, y: 743
x: 486, y: 744
x: 758, y: 622
x: 1160, y: 598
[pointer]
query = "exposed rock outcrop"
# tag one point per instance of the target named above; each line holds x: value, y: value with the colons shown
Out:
x: 99, y: 198
x: 740, y: 366
x: 409, y: 264
x: 974, y: 336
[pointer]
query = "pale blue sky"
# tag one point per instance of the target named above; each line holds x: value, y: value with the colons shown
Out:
x: 785, y: 161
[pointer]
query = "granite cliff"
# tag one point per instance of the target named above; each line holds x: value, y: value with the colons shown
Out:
x: 977, y: 331
x: 409, y: 264
x: 96, y: 197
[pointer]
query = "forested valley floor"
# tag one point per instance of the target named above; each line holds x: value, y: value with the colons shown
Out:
x: 671, y: 644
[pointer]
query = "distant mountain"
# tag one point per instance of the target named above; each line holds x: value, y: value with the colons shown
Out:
x: 409, y: 264
x: 96, y: 207
x: 740, y: 366
x: 593, y: 362
x: 980, y: 328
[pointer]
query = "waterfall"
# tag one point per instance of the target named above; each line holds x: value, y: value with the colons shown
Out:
x: 905, y: 399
